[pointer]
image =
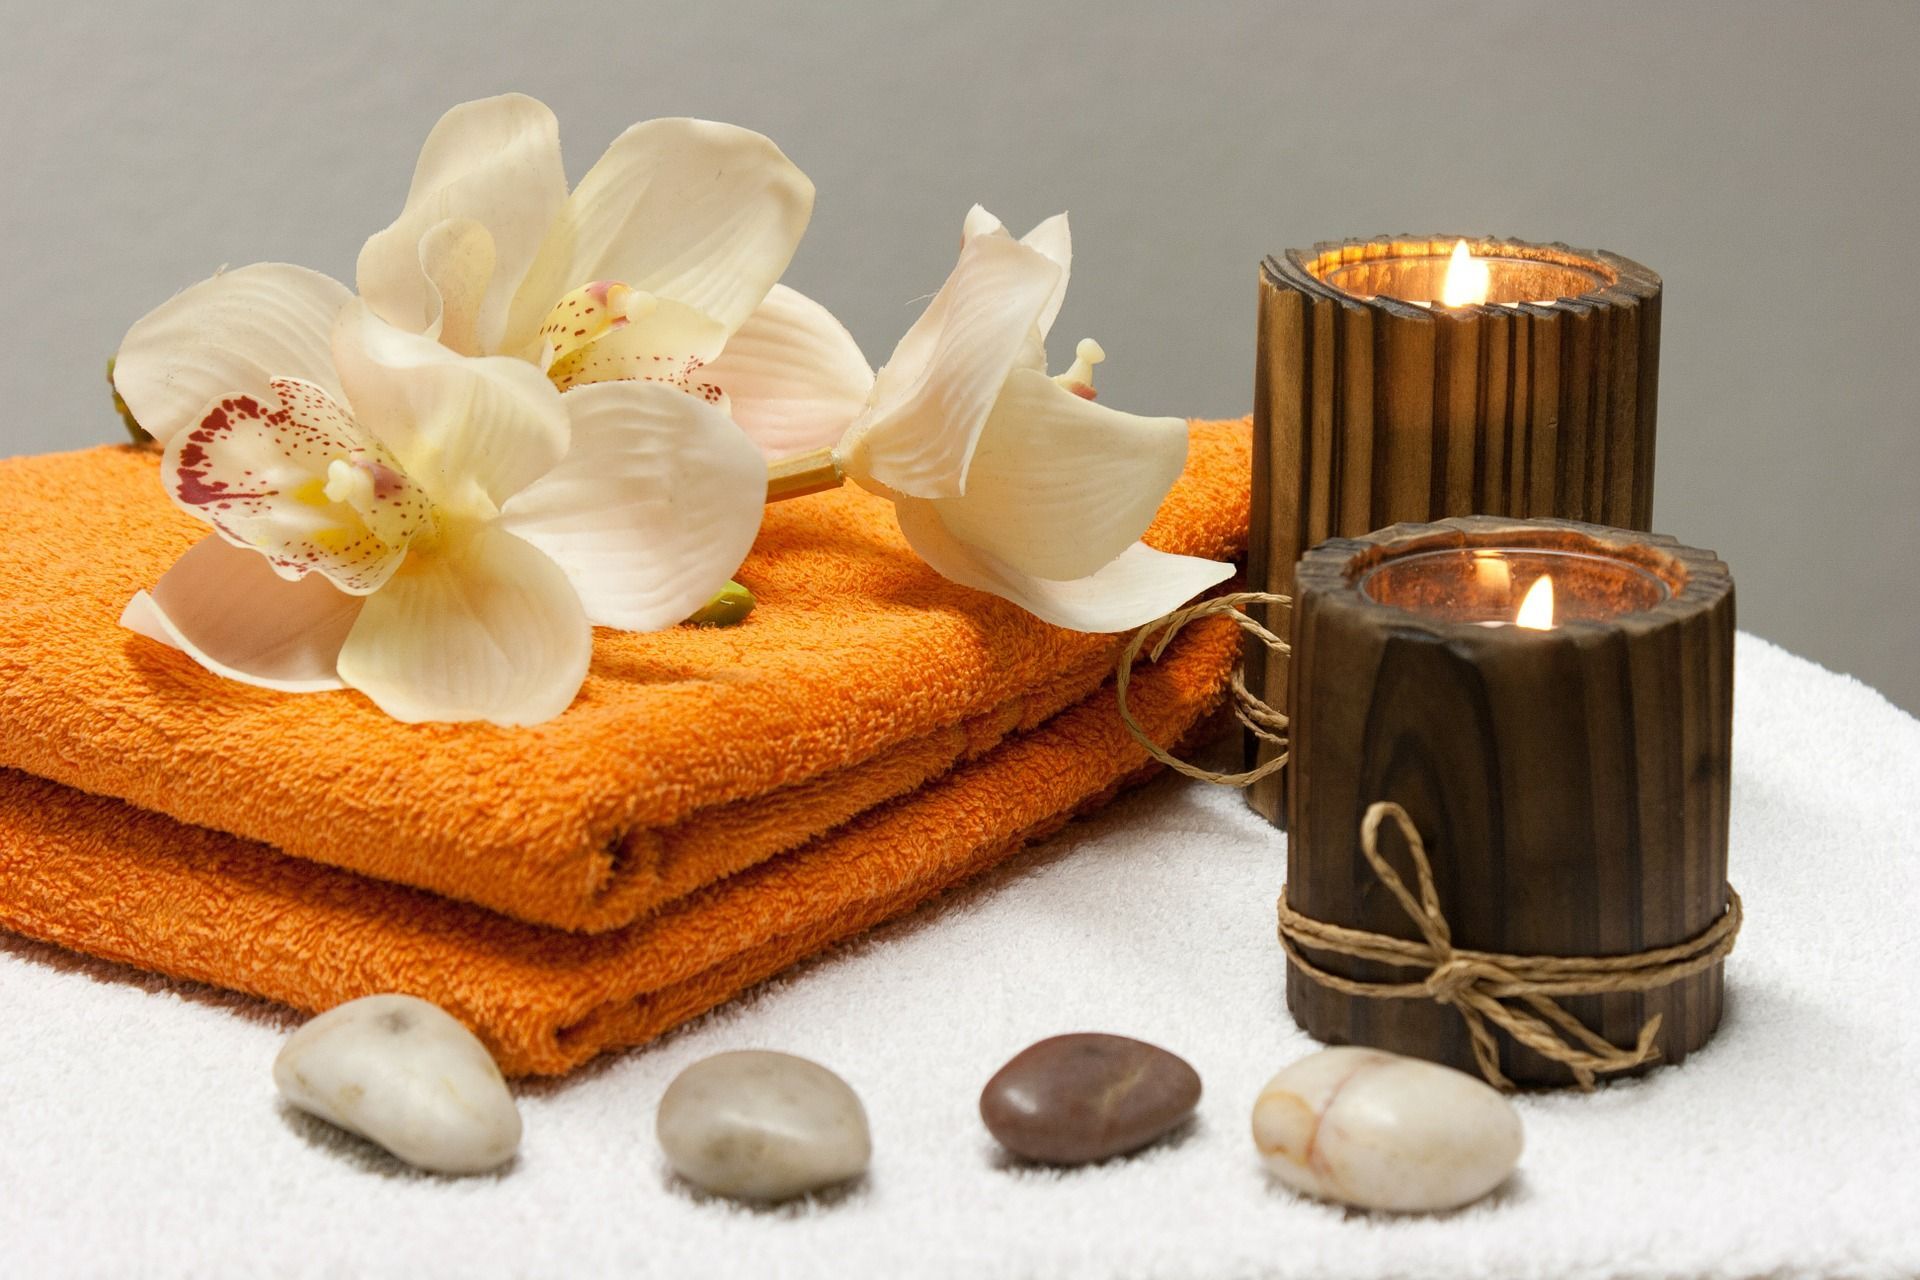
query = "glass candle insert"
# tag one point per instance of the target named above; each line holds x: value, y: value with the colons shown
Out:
x: 1453, y: 273
x: 1520, y: 586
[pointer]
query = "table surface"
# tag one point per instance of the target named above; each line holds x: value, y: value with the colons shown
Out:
x: 140, y: 1132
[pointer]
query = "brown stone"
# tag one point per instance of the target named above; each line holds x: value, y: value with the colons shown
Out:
x: 1079, y: 1098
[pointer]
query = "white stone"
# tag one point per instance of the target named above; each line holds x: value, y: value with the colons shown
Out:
x: 1379, y: 1131
x: 757, y: 1125
x: 403, y: 1073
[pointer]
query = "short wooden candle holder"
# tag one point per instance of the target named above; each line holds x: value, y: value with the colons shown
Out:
x: 1371, y: 408
x: 1571, y: 784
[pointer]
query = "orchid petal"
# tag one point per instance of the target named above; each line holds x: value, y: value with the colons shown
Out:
x: 470, y: 430
x: 1136, y: 587
x: 1060, y: 485
x: 1050, y: 237
x: 793, y: 376
x: 701, y: 213
x: 931, y: 401
x: 1053, y: 238
x: 979, y: 222
x: 484, y: 627
x: 495, y: 162
x: 456, y: 256
x: 669, y: 343
x: 230, y: 335
x: 294, y: 479
x: 652, y: 510
x: 225, y: 607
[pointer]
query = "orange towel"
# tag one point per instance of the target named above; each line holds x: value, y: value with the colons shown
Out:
x: 104, y: 877
x: 690, y: 755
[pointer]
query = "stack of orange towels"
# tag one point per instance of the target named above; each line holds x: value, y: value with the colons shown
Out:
x: 717, y: 804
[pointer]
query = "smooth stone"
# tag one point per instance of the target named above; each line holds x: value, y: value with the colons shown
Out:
x: 404, y: 1073
x: 1079, y: 1098
x: 1379, y: 1131
x: 757, y: 1125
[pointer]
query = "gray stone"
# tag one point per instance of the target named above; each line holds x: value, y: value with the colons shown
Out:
x: 758, y: 1125
x: 405, y: 1074
x: 1078, y: 1098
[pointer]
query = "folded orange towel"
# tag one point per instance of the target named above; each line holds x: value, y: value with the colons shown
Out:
x: 690, y: 754
x: 104, y: 877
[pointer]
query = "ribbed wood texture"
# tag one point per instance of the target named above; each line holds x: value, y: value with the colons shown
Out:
x: 1369, y: 410
x: 1571, y: 786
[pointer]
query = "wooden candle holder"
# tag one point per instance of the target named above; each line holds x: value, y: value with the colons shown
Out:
x: 1370, y: 409
x: 1571, y: 785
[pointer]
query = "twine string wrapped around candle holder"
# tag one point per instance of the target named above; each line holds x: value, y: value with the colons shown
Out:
x: 1259, y: 719
x: 1487, y: 987
x: 1516, y: 993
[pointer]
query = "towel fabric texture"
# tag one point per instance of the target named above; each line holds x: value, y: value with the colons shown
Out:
x: 101, y: 876
x: 689, y: 755
x: 143, y: 1137
x: 719, y: 803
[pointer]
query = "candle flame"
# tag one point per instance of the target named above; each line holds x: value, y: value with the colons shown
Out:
x: 1467, y: 279
x: 1536, y: 610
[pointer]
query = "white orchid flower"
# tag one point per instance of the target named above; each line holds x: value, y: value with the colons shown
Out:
x: 660, y: 266
x: 1007, y: 480
x: 437, y: 531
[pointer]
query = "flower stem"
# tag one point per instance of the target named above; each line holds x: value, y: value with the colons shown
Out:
x: 812, y: 472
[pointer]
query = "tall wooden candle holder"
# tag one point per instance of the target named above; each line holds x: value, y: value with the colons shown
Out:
x: 1374, y: 405
x: 1570, y: 784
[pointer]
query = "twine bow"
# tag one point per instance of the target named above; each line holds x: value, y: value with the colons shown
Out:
x: 1488, y: 989
x: 1514, y: 993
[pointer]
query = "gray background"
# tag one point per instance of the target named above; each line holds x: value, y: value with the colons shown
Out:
x: 1762, y: 157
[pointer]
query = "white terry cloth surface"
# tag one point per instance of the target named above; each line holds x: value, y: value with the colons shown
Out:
x: 140, y: 1133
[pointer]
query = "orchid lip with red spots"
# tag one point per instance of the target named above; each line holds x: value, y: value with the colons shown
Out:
x: 264, y: 477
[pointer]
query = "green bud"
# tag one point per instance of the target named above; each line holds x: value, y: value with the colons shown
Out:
x: 729, y: 608
x: 134, y: 429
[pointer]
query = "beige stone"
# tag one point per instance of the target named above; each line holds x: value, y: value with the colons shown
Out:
x: 1379, y: 1131
x: 405, y: 1074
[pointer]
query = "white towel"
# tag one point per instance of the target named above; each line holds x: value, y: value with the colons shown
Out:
x: 140, y: 1134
